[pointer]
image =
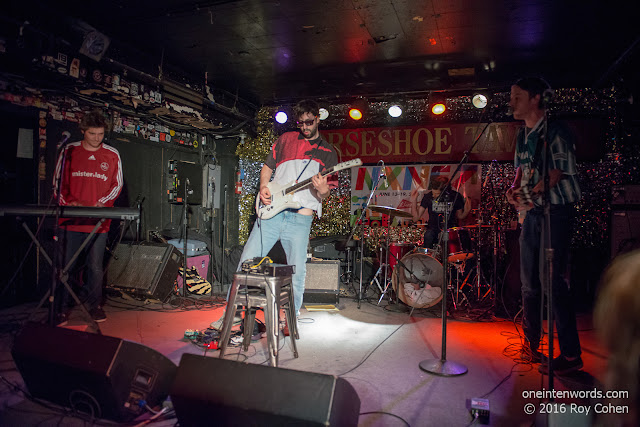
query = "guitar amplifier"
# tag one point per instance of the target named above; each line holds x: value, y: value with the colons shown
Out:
x: 148, y: 270
x: 322, y: 283
x: 625, y: 195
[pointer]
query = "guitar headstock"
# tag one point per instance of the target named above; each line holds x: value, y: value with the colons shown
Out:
x: 349, y: 164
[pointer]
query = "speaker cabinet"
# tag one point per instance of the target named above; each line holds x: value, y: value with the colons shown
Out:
x: 210, y: 391
x: 322, y: 282
x: 146, y: 269
x: 625, y: 231
x: 102, y: 376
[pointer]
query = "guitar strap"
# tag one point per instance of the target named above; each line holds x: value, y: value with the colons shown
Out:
x: 535, y: 163
x: 310, y: 159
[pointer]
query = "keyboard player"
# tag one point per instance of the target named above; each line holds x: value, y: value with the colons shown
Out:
x: 88, y: 173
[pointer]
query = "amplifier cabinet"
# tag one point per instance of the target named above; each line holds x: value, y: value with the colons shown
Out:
x: 146, y: 269
x: 322, y: 283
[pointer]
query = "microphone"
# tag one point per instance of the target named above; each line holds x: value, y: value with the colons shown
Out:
x: 65, y: 137
x: 139, y: 200
x: 509, y: 111
x: 383, y: 173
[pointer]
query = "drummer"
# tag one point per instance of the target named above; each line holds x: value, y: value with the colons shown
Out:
x: 435, y: 210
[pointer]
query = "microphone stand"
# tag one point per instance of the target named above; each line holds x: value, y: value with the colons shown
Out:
x: 547, y: 285
x: 223, y: 263
x: 442, y: 366
x: 360, y: 222
x: 185, y: 229
x: 56, y: 233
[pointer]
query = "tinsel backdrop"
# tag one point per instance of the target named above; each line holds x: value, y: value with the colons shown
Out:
x: 619, y: 165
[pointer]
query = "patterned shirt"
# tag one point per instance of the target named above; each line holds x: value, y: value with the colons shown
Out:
x: 296, y: 159
x: 562, y: 150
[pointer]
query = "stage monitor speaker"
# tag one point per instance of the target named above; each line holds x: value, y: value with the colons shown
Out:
x: 101, y: 376
x: 625, y: 231
x: 210, y: 391
x: 145, y: 269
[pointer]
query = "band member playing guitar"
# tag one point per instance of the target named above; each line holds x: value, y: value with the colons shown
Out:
x: 295, y: 156
x: 529, y: 97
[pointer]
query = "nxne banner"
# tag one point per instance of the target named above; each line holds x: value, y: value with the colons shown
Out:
x: 395, y: 191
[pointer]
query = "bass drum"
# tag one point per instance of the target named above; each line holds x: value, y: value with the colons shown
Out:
x: 427, y: 270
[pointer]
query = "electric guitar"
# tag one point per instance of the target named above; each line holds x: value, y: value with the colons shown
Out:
x: 282, y: 195
x: 522, y: 201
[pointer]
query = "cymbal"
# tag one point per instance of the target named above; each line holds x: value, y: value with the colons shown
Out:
x: 477, y: 225
x: 390, y: 211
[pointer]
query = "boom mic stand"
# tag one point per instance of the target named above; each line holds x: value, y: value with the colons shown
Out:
x: 442, y: 366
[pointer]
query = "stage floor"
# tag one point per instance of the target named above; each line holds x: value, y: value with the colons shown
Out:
x: 375, y: 348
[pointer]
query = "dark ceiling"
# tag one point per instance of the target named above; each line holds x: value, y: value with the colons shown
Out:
x: 276, y: 51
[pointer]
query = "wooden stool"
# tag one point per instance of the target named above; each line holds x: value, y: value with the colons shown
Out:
x: 254, y: 291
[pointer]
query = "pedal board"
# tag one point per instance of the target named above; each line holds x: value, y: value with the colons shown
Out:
x: 267, y: 268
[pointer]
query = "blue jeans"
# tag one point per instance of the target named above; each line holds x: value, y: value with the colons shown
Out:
x: 292, y: 229
x: 532, y: 273
x: 91, y: 294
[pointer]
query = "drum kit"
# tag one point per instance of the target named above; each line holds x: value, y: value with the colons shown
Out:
x: 416, y: 273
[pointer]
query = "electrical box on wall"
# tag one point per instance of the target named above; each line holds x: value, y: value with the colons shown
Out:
x: 212, y: 185
x: 181, y: 174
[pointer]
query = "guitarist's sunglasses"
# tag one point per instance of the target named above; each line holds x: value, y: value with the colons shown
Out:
x: 305, y: 122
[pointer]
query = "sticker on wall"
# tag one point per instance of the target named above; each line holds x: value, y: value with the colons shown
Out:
x: 74, y: 70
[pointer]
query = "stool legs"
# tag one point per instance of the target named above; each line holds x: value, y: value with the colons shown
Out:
x: 274, y: 298
x: 249, y: 322
x: 227, y: 323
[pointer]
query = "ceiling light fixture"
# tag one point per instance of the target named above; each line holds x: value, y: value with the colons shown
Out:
x: 323, y: 111
x: 437, y: 101
x: 358, y: 108
x: 395, y: 110
x: 281, y: 117
x: 479, y: 100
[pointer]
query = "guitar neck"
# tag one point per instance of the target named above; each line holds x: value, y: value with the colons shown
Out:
x: 307, y: 181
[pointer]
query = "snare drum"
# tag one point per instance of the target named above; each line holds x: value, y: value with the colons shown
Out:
x: 420, y: 269
x: 459, y: 247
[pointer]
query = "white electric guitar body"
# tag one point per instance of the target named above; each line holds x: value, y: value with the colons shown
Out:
x: 282, y: 195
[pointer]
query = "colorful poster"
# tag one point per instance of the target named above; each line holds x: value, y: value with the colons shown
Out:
x: 395, y: 191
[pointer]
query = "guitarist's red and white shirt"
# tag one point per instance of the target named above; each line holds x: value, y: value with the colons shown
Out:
x: 295, y: 159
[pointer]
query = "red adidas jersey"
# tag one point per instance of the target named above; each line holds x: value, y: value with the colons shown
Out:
x: 89, y: 177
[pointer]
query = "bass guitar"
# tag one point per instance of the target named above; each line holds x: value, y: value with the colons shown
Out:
x: 282, y: 195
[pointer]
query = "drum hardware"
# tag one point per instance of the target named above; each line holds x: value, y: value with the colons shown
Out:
x: 384, y: 266
x: 475, y: 278
x: 457, y: 290
x: 460, y: 247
